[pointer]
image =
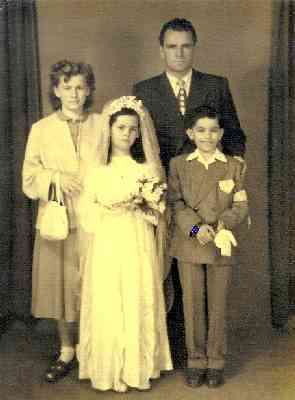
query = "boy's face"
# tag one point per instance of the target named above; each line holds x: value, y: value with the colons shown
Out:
x: 72, y: 93
x: 206, y: 134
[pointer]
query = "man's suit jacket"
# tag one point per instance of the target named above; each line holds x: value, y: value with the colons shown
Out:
x: 158, y: 97
x: 200, y: 196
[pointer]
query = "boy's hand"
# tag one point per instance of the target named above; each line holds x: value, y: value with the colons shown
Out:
x: 206, y: 234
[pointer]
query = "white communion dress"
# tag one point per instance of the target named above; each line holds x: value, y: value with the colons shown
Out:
x: 123, y: 334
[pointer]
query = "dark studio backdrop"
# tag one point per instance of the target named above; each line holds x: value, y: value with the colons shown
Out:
x: 237, y: 39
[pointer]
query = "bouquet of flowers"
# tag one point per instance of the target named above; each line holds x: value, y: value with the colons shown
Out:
x: 144, y: 195
x: 149, y: 198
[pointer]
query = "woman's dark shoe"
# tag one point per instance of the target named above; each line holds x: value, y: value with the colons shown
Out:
x: 195, y: 377
x: 215, y: 378
x: 58, y: 370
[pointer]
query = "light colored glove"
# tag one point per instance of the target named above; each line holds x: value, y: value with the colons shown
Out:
x: 224, y: 240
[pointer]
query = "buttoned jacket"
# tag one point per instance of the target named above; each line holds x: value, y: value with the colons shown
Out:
x: 204, y: 196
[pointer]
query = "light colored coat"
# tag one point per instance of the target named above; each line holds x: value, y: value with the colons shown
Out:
x: 50, y: 149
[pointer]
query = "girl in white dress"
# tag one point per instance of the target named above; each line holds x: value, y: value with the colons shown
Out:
x: 123, y: 335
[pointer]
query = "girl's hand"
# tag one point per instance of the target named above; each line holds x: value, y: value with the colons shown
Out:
x: 70, y: 184
x: 206, y: 234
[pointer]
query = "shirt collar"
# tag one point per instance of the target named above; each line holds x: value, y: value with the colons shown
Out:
x: 174, y: 81
x: 218, y: 155
x: 64, y: 117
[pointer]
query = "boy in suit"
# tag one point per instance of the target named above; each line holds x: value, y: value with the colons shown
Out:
x: 208, y: 199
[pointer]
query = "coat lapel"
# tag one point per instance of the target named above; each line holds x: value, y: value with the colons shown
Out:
x: 66, y: 144
x: 206, y: 180
x: 197, y: 93
x: 166, y: 95
x: 196, y: 98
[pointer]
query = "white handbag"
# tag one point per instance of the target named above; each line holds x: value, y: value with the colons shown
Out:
x: 54, y: 224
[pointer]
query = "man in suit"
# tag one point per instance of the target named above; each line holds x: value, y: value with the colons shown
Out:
x: 180, y: 84
x: 170, y: 97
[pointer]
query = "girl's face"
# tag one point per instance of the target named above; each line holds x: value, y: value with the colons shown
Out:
x: 72, y: 93
x: 124, y: 131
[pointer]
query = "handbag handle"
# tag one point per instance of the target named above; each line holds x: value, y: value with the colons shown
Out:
x: 55, y: 192
x: 58, y: 192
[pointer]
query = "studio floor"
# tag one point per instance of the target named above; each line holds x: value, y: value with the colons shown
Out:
x: 261, y: 366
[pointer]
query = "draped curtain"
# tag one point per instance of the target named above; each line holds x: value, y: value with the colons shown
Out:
x: 19, y: 108
x: 281, y: 159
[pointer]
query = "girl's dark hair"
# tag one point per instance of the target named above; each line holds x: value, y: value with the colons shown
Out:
x: 68, y: 69
x: 136, y: 150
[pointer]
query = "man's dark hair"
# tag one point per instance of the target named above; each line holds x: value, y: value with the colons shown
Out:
x: 68, y: 69
x: 180, y: 25
x: 202, y: 112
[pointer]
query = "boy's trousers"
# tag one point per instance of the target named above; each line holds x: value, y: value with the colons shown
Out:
x: 204, y: 292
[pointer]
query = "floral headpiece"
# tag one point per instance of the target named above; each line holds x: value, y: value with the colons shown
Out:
x: 126, y: 102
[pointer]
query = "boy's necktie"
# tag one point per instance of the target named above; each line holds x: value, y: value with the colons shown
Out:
x: 181, y: 96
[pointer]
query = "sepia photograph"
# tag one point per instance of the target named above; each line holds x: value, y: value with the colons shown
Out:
x: 147, y: 155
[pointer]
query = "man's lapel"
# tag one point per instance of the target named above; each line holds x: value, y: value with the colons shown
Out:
x: 167, y: 97
x: 196, y: 96
x: 197, y: 93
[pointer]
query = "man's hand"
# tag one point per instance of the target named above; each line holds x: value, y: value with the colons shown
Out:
x: 70, y: 184
x: 206, y: 234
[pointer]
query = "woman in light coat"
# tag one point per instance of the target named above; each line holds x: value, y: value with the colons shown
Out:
x: 59, y: 148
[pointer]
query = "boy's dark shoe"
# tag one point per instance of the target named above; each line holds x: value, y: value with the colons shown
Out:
x: 215, y: 378
x: 195, y: 377
x: 58, y: 370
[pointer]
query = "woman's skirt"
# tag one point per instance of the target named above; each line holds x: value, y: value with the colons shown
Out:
x: 55, y: 278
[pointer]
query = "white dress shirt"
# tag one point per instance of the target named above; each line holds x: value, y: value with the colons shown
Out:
x: 175, y: 85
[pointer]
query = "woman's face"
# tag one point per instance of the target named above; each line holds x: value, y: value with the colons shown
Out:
x: 72, y: 93
x: 124, y: 131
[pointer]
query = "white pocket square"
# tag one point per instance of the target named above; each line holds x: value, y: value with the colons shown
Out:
x: 226, y: 185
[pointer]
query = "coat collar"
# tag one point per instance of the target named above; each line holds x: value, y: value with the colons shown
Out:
x: 64, y: 117
x: 218, y: 155
x: 168, y: 98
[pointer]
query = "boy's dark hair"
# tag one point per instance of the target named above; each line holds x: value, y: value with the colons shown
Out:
x: 68, y: 69
x: 180, y: 25
x: 202, y: 112
x: 233, y: 142
x: 136, y: 150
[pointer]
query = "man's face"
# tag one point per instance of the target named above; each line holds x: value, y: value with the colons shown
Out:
x: 72, y: 93
x: 177, y: 51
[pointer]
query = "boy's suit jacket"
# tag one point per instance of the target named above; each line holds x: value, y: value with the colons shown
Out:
x: 157, y: 95
x: 49, y: 149
x: 200, y: 196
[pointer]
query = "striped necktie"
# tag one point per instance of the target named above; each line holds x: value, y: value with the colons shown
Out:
x: 181, y: 96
